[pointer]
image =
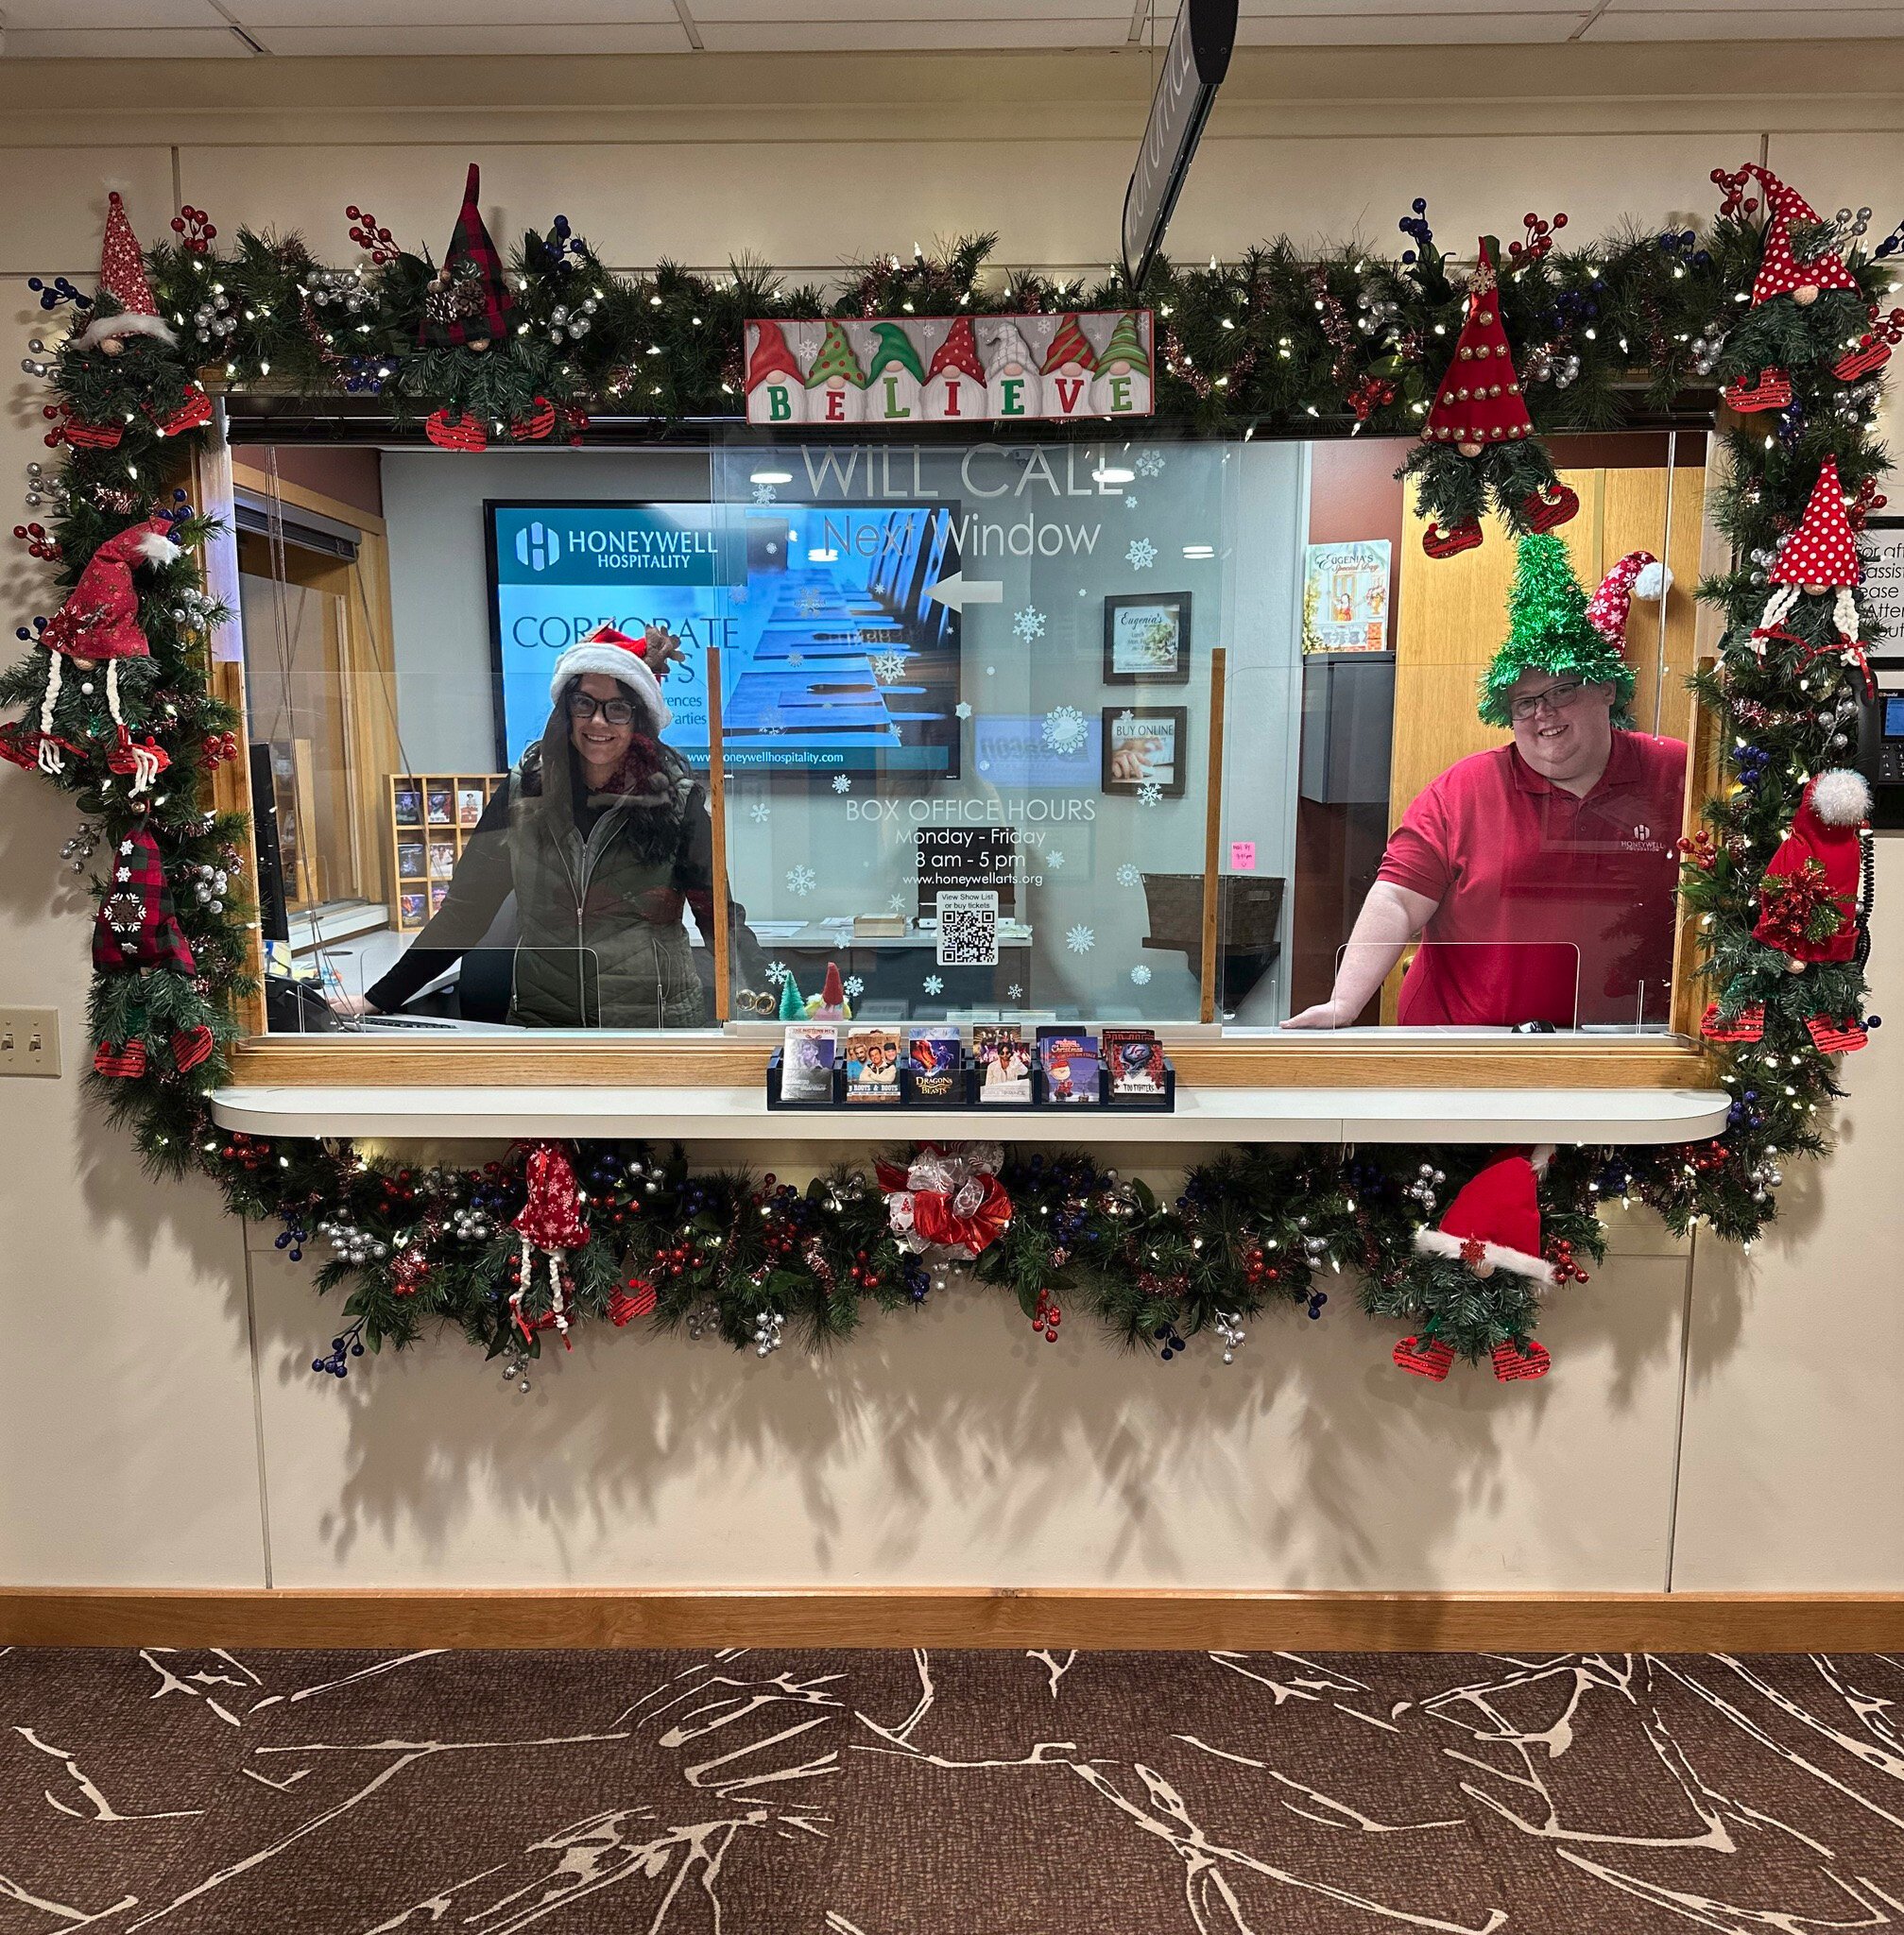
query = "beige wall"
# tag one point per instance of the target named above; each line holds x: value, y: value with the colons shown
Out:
x: 1712, y: 1420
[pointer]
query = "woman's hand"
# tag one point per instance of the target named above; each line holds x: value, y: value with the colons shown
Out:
x: 1328, y: 1014
x: 348, y: 1004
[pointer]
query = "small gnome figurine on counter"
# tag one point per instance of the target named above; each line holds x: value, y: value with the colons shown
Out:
x: 830, y: 1004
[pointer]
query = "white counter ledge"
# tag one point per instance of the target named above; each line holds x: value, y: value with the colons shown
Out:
x: 1210, y: 1115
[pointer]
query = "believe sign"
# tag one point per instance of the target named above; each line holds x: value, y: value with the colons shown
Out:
x: 949, y: 368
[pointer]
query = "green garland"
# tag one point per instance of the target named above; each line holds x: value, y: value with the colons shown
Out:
x: 1273, y: 339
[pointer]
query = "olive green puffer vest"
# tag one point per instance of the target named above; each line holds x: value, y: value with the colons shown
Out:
x: 594, y: 952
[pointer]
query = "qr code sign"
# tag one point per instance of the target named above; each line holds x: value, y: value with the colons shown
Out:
x: 968, y: 929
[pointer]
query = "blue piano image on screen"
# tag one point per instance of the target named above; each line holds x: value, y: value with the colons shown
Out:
x: 835, y: 657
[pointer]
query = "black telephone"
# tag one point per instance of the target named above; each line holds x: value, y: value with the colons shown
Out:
x: 1880, y: 739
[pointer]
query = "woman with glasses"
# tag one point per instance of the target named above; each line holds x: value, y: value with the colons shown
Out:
x: 603, y: 835
x: 1540, y: 877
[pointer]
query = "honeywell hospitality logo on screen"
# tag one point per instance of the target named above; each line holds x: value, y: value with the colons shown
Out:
x: 537, y: 546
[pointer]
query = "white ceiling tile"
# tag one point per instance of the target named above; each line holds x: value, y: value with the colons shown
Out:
x: 1051, y: 18
x: 1332, y: 28
x: 73, y: 14
x: 781, y: 35
x: 396, y: 41
x: 1446, y: 21
x: 1734, y: 22
x: 452, y: 13
x: 124, y: 44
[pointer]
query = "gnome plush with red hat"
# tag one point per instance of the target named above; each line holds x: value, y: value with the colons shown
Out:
x: 99, y: 624
x: 639, y: 664
x: 1820, y: 556
x: 1492, y: 1225
x: 123, y: 282
x: 1812, y: 901
x: 551, y: 1223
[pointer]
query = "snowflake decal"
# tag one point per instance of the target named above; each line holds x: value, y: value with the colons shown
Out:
x: 764, y: 493
x: 760, y: 813
x: 888, y: 666
x: 897, y: 905
x: 796, y: 657
x: 841, y: 783
x: 777, y: 971
x: 1141, y: 975
x: 812, y: 602
x: 1029, y: 624
x: 1126, y: 718
x: 1149, y: 792
x: 1054, y: 861
x: 1129, y: 501
x: 933, y: 985
x: 1149, y: 463
x: 1064, y: 730
x: 963, y: 710
x: 801, y: 882
x: 1140, y: 554
x: 1080, y: 940
x: 1129, y: 875
x: 1015, y: 992
x: 854, y: 985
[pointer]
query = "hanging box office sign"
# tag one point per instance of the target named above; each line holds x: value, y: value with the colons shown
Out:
x: 1194, y: 63
x: 950, y: 369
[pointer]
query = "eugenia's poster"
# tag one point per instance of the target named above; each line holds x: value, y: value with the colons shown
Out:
x: 1345, y: 597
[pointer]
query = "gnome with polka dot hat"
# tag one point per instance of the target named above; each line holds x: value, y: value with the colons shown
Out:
x: 123, y: 286
x: 1820, y: 556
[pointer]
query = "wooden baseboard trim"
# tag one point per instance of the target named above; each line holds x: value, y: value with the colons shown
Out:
x: 1097, y: 1618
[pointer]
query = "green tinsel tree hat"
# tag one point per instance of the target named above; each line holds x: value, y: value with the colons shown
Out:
x: 1550, y: 629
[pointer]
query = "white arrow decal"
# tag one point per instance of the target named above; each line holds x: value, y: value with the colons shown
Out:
x: 955, y: 594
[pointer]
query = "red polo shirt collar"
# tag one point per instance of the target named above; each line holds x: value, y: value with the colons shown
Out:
x: 1622, y: 769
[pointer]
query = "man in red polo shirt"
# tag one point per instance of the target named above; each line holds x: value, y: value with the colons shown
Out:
x: 1539, y: 876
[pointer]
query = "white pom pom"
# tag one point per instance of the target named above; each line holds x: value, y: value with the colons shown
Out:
x: 1653, y: 581
x: 155, y: 548
x: 1840, y: 797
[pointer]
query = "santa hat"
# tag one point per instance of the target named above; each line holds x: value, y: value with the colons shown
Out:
x: 1009, y: 347
x: 1494, y: 1222
x: 836, y: 359
x: 99, y: 622
x: 958, y: 351
x: 772, y: 357
x: 1820, y: 555
x: 892, y: 348
x: 1069, y: 345
x: 121, y: 275
x: 1480, y: 400
x: 1818, y: 864
x: 479, y: 317
x: 621, y: 658
x: 1638, y: 574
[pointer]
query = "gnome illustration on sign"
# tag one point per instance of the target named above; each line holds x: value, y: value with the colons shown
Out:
x: 895, y: 377
x: 777, y: 392
x: 1009, y: 373
x: 99, y: 624
x: 1121, y: 385
x: 1493, y: 1223
x: 954, y: 385
x: 836, y: 385
x: 1069, y: 365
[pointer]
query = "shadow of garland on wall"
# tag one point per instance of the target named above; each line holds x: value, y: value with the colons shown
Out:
x: 1780, y: 307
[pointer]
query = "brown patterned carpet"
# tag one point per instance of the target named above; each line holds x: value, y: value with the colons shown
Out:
x: 950, y: 1793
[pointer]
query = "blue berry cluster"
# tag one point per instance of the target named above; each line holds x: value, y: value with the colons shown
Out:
x: 1415, y: 226
x: 1316, y: 1299
x: 1174, y: 1346
x: 1684, y: 244
x: 364, y: 375
x: 58, y: 291
x: 559, y: 244
x: 349, y: 1345
x: 293, y: 1237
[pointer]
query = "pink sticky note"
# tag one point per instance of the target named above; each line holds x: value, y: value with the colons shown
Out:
x: 1242, y: 856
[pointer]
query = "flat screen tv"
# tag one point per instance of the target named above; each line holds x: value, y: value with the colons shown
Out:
x: 833, y: 656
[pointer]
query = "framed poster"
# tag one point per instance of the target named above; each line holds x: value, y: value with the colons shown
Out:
x: 1146, y: 639
x: 1344, y: 596
x: 1144, y: 751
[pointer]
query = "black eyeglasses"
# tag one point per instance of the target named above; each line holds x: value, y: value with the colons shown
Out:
x: 584, y: 705
x: 1556, y: 698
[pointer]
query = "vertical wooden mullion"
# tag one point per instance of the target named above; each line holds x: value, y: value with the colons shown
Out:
x: 718, y: 809
x: 1212, y: 831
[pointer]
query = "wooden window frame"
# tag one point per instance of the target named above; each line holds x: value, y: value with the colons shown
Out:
x: 713, y: 1058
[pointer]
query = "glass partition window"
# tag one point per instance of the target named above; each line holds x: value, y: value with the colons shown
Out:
x: 1173, y: 732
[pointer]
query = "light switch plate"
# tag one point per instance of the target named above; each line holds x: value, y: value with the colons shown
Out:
x: 29, y: 1041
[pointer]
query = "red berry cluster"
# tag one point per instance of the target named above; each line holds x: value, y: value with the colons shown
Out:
x: 247, y: 1152
x: 1540, y: 240
x: 1699, y: 849
x: 366, y: 233
x: 36, y: 540
x: 1256, y: 1268
x: 1559, y: 1252
x: 863, y: 1271
x: 1046, y: 1317
x: 1737, y: 202
x: 193, y: 228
